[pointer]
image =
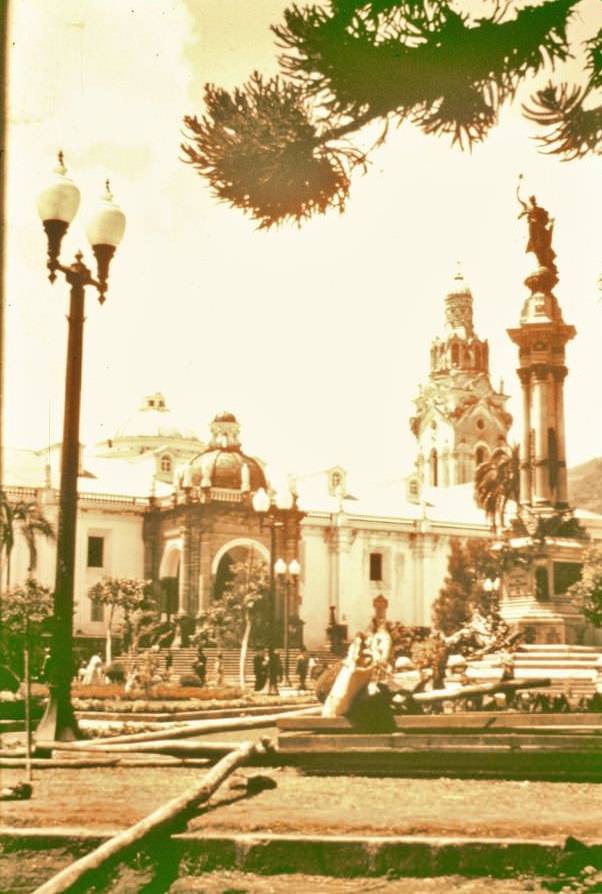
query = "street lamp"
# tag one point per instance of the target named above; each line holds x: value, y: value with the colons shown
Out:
x: 57, y: 206
x: 287, y: 574
x: 272, y: 513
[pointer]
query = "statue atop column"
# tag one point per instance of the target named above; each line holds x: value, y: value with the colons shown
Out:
x: 541, y: 228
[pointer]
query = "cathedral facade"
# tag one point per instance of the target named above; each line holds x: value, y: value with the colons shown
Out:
x: 159, y: 503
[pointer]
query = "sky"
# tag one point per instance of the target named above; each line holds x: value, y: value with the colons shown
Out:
x: 317, y: 337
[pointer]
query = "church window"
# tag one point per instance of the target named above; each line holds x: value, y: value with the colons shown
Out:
x: 166, y: 464
x: 376, y: 566
x: 455, y: 354
x: 96, y: 552
x: 97, y: 610
x: 480, y: 423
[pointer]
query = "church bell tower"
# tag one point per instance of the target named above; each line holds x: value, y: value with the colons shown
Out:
x: 460, y: 419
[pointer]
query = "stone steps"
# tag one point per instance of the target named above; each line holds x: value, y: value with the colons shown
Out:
x: 569, y: 667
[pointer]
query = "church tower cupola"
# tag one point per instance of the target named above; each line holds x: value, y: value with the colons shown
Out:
x: 458, y: 309
x: 460, y: 350
x: 460, y: 419
x: 225, y: 432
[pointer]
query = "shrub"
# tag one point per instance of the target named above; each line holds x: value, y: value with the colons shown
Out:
x: 115, y: 672
x: 190, y: 681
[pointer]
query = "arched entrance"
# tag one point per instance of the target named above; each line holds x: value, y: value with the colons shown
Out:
x: 169, y: 578
x: 242, y: 551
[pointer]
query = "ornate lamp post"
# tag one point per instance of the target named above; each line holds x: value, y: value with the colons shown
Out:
x: 57, y: 206
x: 272, y: 513
x: 288, y: 575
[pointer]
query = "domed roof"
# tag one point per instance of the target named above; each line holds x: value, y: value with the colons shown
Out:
x: 223, y: 464
x: 458, y: 309
x: 229, y: 468
x: 458, y: 287
x: 153, y: 419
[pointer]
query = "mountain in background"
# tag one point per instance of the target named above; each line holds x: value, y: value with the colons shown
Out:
x: 585, y: 486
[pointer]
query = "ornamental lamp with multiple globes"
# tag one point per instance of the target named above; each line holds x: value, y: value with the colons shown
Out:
x: 288, y: 574
x: 58, y: 204
x: 272, y: 512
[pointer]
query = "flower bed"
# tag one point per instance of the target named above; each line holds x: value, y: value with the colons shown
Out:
x: 167, y: 699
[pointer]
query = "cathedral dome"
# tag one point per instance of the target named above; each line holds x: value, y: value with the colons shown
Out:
x: 223, y: 463
x: 230, y: 469
x: 153, y: 420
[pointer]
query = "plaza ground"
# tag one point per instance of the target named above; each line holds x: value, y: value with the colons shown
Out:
x: 105, y: 800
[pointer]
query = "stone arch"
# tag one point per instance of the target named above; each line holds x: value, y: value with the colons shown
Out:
x: 171, y: 559
x: 235, y: 550
x: 169, y: 577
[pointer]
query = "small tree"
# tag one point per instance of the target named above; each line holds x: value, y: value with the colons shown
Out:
x: 121, y: 594
x: 587, y: 591
x: 469, y: 563
x: 230, y: 619
x: 23, y: 610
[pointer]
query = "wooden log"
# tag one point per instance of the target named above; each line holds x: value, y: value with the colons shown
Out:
x: 197, y: 728
x: 442, y: 695
x: 141, y: 762
x: 41, y: 763
x: 159, y: 746
x: 110, y: 852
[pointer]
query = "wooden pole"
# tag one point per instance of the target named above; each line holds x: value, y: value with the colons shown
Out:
x: 112, y: 851
x: 196, y: 728
x: 27, y: 669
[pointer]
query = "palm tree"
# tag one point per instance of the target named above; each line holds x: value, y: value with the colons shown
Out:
x: 30, y: 520
x: 497, y: 482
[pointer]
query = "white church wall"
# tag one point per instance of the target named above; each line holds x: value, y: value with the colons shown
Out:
x: 122, y: 555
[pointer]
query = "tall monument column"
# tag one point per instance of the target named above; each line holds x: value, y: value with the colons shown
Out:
x: 541, y: 339
x: 543, y: 552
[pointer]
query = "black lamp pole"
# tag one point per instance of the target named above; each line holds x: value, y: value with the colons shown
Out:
x: 59, y: 722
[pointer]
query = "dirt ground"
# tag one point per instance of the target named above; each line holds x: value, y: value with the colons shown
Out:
x: 111, y: 798
x: 107, y: 799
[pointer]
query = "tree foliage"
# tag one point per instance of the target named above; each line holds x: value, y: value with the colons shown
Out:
x: 243, y: 602
x: 497, y: 482
x: 279, y: 148
x: 587, y: 592
x: 130, y: 598
x: 23, y: 611
x: 469, y: 564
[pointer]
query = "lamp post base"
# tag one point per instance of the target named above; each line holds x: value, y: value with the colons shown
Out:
x: 58, y: 723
